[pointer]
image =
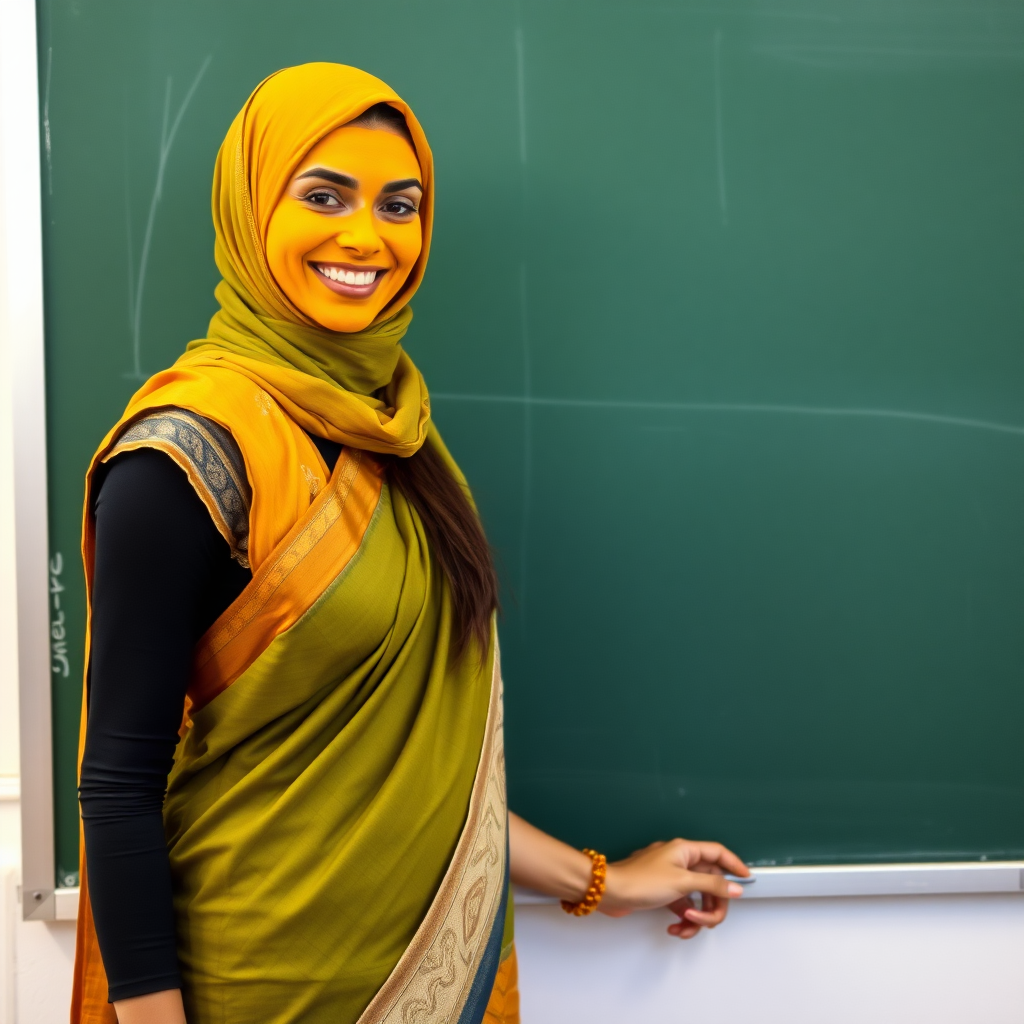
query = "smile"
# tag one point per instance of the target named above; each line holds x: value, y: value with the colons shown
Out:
x: 346, y: 279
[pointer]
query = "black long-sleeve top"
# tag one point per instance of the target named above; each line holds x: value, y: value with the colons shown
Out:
x: 163, y: 575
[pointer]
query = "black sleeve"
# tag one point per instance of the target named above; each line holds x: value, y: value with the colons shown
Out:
x: 163, y: 574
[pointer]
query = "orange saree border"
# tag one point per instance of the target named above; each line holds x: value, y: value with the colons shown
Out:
x: 289, y: 583
x: 282, y: 590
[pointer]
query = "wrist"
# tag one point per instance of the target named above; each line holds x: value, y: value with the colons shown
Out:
x: 614, y: 897
x: 595, y: 890
x: 578, y: 874
x: 547, y: 865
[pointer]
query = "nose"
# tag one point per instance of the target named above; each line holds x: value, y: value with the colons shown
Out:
x: 358, y: 234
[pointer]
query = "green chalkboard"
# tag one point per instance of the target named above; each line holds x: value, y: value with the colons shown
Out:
x: 725, y: 322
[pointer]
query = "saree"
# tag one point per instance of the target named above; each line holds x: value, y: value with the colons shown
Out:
x: 335, y: 817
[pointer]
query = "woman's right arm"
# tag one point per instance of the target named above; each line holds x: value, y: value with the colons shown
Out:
x: 162, y: 574
x: 664, y: 874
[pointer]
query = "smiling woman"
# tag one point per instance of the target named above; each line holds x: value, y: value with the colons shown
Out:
x: 349, y: 223
x: 313, y: 670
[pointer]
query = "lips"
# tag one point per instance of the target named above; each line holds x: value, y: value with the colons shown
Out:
x: 350, y: 280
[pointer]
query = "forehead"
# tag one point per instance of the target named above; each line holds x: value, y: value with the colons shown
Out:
x: 368, y: 154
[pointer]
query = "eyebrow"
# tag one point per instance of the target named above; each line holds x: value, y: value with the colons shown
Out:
x: 344, y: 180
x: 401, y: 186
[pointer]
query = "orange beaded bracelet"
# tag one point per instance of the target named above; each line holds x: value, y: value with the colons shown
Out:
x: 593, y: 895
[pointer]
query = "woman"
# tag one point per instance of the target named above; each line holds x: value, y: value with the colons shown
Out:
x: 277, y: 541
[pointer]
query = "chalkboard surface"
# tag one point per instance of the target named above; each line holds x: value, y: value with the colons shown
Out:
x: 724, y: 321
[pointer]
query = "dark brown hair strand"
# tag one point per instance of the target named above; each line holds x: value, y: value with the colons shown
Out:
x: 456, y: 538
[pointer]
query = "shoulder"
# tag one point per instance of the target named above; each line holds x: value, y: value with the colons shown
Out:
x: 143, y: 494
x: 210, y: 458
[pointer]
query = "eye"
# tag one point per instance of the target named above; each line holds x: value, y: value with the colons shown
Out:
x: 398, y: 207
x: 323, y: 198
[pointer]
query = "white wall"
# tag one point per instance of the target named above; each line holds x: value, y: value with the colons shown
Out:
x: 880, y: 960
x: 35, y: 958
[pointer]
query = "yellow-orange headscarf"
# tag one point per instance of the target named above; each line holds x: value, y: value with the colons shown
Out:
x: 358, y: 389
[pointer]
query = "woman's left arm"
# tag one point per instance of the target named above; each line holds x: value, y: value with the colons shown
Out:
x: 660, y: 875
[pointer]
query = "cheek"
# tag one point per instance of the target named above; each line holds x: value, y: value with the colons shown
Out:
x: 289, y: 238
x: 405, y: 242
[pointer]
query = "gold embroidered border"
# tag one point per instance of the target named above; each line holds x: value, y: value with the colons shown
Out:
x: 432, y: 981
x: 281, y: 567
x: 211, y: 460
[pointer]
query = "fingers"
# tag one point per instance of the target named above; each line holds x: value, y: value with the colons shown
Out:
x: 716, y: 853
x: 713, y: 885
x: 682, y: 905
x: 690, y: 853
x: 683, y: 928
x: 711, y: 913
x: 705, y: 868
x: 702, y: 919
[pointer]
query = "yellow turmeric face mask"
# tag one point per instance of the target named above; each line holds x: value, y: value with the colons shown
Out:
x: 346, y: 233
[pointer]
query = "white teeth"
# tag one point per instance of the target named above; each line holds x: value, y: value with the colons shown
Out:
x: 356, y: 277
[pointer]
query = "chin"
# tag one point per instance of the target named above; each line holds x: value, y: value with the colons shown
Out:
x: 349, y: 323
x: 351, y: 326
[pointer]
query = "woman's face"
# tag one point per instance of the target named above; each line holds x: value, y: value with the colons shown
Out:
x: 346, y: 233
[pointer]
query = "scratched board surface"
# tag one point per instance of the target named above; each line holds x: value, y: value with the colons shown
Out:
x: 725, y: 322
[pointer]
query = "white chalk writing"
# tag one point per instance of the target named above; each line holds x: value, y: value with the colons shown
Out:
x: 58, y: 631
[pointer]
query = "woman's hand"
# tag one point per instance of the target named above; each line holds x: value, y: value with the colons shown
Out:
x: 661, y: 875
x: 668, y: 875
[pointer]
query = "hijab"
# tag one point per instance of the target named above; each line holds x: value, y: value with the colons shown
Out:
x: 360, y: 389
